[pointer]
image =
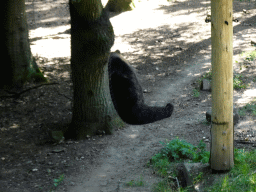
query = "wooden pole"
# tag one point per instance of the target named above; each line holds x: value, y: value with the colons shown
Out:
x: 222, y: 133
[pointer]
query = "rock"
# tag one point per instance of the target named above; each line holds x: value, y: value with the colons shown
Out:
x: 205, y: 85
x: 235, y: 116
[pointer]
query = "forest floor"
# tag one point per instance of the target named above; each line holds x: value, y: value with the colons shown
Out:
x: 169, y: 45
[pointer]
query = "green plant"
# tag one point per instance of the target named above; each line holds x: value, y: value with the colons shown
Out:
x: 238, y: 83
x: 198, y: 178
x: 136, y: 183
x: 207, y: 75
x: 251, y: 56
x: 56, y: 182
x: 249, y: 107
x: 180, y: 149
x: 166, y: 185
x: 196, y: 93
x: 175, y: 151
x: 242, y: 177
x: 161, y: 164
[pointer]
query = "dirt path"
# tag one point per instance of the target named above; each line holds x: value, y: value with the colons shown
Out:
x: 168, y: 43
x: 129, y: 150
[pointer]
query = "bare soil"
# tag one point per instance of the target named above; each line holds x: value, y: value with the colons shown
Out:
x: 169, y: 45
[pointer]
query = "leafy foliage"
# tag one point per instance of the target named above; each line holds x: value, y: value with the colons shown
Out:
x: 238, y: 83
x: 180, y: 149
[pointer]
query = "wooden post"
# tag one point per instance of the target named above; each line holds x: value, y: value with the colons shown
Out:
x: 222, y: 135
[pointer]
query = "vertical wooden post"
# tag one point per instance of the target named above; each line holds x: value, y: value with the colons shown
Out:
x: 222, y: 149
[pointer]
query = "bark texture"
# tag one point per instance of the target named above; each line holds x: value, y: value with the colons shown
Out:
x: 92, y: 36
x: 18, y: 65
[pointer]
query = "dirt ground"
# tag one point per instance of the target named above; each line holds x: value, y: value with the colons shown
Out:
x: 169, y: 45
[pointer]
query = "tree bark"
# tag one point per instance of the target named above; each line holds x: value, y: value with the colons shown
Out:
x: 222, y: 149
x: 18, y: 65
x: 92, y: 36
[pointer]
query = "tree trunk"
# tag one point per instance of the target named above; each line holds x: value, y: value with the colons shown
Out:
x: 222, y: 149
x: 18, y: 65
x: 92, y: 36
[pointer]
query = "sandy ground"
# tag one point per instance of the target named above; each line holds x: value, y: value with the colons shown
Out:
x: 169, y: 45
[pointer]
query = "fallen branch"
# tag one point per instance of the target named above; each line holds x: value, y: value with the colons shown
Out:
x: 17, y: 95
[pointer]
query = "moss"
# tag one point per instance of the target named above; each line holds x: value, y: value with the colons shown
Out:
x: 34, y: 73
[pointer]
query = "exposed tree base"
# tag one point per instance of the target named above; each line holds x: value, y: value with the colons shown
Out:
x: 83, y: 130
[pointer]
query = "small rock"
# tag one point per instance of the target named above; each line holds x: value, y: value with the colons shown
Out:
x: 205, y: 85
x: 58, y: 150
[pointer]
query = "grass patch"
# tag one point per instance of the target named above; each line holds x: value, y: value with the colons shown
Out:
x: 136, y: 183
x: 250, y: 56
x: 172, y: 152
x: 238, y: 82
x: 242, y: 177
x: 196, y: 93
x: 56, y: 182
x: 248, y: 108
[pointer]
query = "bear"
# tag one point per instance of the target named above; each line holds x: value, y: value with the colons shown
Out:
x: 127, y: 94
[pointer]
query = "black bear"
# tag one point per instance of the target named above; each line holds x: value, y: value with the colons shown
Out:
x: 127, y: 95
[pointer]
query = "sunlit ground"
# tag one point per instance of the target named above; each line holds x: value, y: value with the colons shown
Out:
x: 152, y: 21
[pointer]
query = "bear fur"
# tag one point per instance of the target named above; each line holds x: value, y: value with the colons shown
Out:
x: 127, y: 95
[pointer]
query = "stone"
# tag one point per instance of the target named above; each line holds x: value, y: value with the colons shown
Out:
x: 191, y: 175
x: 205, y: 85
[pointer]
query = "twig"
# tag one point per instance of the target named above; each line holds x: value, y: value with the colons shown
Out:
x: 63, y: 95
x: 177, y: 183
x: 17, y: 95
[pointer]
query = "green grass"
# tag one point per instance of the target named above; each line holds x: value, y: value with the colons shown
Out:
x: 166, y: 185
x: 56, y: 182
x: 238, y: 82
x: 196, y: 93
x: 248, y: 108
x: 136, y: 183
x: 250, y: 56
x: 242, y: 177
